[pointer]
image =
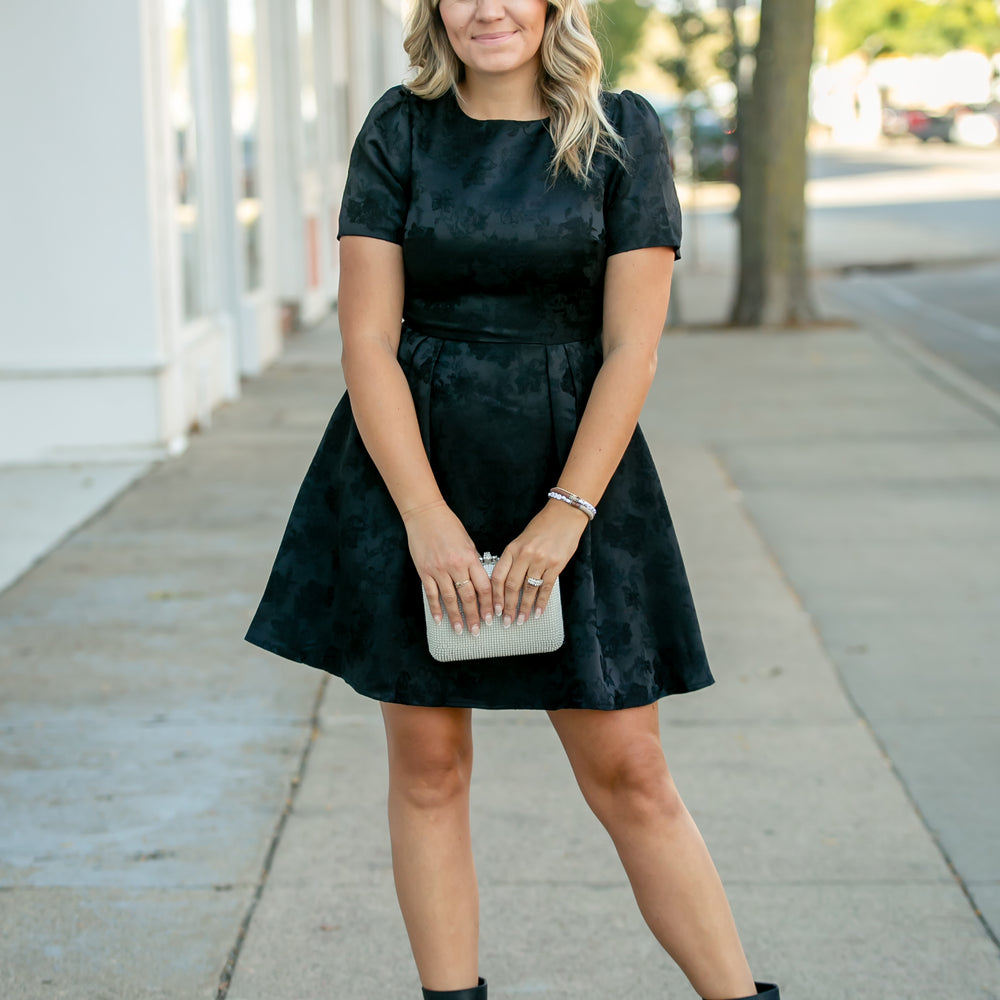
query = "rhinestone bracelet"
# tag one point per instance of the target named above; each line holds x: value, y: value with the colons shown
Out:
x: 558, y: 493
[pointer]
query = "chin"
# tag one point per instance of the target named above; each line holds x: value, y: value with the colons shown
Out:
x: 499, y: 62
x: 493, y: 66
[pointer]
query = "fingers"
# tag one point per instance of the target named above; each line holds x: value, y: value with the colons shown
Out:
x: 450, y: 569
x: 531, y: 594
x: 512, y: 596
x: 443, y: 600
x: 433, y: 600
x: 498, y: 583
x: 480, y: 581
x: 452, y: 598
x: 468, y: 598
x: 475, y: 595
x: 515, y: 598
x: 539, y: 595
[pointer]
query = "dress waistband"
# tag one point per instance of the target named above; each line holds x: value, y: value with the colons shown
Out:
x: 489, y: 337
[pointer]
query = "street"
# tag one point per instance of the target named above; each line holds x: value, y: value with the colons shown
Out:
x: 908, y: 233
x: 934, y: 270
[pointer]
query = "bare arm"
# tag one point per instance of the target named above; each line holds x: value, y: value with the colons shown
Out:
x: 370, y: 310
x: 370, y: 307
x: 636, y: 295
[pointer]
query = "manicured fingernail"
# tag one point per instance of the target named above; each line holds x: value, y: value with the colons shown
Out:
x: 457, y: 626
x: 538, y: 612
x: 474, y: 629
x: 521, y: 618
x: 498, y: 608
x: 506, y: 621
x: 437, y: 619
x: 488, y: 618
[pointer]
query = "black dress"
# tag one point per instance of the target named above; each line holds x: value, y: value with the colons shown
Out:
x: 500, y: 345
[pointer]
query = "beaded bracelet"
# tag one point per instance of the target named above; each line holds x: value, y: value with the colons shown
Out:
x: 558, y: 493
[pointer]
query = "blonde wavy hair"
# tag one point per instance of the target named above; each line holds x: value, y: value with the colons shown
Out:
x: 569, y: 82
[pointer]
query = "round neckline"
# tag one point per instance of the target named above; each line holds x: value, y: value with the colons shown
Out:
x: 457, y: 105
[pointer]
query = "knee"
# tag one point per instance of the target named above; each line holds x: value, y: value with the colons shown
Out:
x: 431, y: 774
x: 634, y: 785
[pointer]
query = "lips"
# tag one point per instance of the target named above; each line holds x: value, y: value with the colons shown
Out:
x: 494, y: 36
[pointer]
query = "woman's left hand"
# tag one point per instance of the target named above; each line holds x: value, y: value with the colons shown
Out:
x: 540, y: 552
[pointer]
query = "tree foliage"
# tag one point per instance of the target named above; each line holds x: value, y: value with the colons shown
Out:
x: 705, y: 46
x: 909, y: 27
x: 618, y: 27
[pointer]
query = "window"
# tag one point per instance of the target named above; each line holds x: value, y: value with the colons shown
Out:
x: 307, y: 94
x: 189, y: 206
x: 245, y: 118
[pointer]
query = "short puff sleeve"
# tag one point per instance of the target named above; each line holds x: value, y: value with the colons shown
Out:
x: 640, y: 201
x: 377, y: 191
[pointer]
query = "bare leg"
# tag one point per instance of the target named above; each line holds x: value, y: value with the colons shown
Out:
x: 618, y: 761
x: 430, y: 766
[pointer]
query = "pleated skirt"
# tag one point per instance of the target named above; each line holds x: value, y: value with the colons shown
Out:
x: 497, y: 421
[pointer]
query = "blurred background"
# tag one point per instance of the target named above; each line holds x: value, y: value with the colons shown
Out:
x: 171, y: 206
x: 173, y: 202
x: 186, y: 816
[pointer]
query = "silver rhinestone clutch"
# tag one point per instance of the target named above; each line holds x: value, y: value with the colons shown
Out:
x: 537, y: 635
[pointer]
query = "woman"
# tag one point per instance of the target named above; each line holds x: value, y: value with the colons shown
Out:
x: 524, y: 224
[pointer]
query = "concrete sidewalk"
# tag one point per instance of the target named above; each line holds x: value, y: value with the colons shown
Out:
x: 182, y: 810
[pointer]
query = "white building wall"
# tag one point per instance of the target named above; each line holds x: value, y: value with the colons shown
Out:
x: 199, y: 354
x: 78, y: 340
x: 96, y: 357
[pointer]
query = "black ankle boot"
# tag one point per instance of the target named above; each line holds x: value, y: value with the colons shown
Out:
x: 765, y: 991
x: 472, y: 993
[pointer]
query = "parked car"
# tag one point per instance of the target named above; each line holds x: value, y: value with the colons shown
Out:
x: 967, y: 124
x: 926, y: 126
x: 895, y: 122
x: 702, y: 142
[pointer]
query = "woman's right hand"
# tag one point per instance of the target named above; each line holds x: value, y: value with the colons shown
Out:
x: 449, y: 566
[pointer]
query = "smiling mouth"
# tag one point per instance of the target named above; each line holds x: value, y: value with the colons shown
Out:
x: 497, y: 36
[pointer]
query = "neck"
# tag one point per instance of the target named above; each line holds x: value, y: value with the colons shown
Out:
x: 512, y: 95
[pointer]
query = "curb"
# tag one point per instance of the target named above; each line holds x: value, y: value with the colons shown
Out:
x: 943, y: 373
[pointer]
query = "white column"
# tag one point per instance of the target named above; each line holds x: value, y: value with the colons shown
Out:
x: 224, y: 245
x: 198, y: 351
x: 79, y: 357
x: 257, y: 351
x: 394, y: 60
x: 362, y: 74
x: 281, y: 41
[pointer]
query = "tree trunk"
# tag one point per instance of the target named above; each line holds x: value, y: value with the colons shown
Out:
x: 774, y: 280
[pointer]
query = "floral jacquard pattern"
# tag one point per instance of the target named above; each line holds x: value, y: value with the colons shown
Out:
x: 500, y: 344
